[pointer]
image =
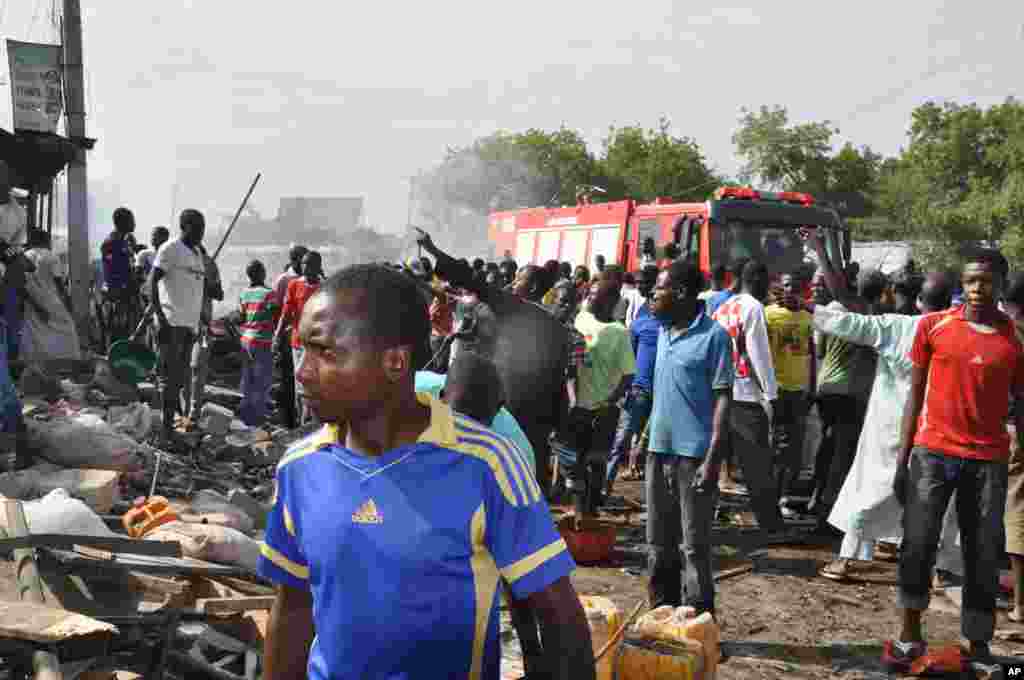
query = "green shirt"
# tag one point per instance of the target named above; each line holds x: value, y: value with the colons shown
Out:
x: 846, y: 368
x: 609, y: 359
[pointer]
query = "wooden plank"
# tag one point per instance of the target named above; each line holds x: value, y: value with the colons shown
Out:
x: 729, y: 573
x: 233, y: 605
x: 158, y: 584
x: 180, y: 566
x: 242, y: 586
x: 39, y: 623
x: 94, y: 553
x: 130, y: 546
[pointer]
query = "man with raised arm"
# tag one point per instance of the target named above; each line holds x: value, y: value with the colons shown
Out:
x: 866, y: 509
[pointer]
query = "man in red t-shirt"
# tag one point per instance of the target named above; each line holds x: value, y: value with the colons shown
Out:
x: 967, y: 361
x: 298, y: 292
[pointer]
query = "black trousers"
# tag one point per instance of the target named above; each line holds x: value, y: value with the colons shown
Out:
x: 589, y: 434
x: 748, y: 439
x: 843, y: 415
x: 286, y: 394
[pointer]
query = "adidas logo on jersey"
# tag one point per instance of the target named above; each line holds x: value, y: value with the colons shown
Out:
x: 367, y: 514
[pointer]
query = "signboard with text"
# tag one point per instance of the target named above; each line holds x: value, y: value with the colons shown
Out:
x: 35, y: 85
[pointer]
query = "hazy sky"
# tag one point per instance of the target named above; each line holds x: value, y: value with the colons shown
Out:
x: 352, y: 98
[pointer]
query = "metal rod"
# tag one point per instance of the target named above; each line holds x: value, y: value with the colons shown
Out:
x: 156, y: 474
x: 237, y: 215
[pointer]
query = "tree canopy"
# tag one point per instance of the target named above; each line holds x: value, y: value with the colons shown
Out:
x: 961, y: 177
x: 537, y: 168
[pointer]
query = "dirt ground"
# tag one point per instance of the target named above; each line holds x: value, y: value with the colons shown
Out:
x: 781, y: 619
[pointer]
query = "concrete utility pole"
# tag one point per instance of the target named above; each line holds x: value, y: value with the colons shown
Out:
x: 78, y: 206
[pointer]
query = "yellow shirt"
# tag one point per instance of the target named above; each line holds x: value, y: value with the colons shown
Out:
x: 789, y: 336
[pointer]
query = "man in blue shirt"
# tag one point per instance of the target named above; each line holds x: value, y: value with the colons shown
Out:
x: 692, y: 391
x: 637, y: 409
x: 394, y: 526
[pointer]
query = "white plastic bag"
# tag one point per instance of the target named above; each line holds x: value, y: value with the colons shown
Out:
x: 57, y: 513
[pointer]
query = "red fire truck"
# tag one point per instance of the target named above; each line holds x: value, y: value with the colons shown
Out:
x: 735, y: 222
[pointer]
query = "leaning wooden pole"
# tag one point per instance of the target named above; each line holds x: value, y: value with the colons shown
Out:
x: 237, y: 215
x: 30, y: 586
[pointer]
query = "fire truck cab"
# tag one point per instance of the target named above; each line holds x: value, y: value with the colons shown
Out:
x: 735, y: 222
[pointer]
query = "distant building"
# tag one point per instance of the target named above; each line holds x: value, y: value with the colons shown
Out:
x: 320, y: 219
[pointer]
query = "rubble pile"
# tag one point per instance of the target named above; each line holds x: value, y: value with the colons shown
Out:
x: 142, y: 558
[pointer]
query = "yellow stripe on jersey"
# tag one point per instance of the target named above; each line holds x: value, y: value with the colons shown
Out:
x: 525, y: 480
x: 516, y: 461
x: 517, y: 570
x: 485, y: 585
x: 497, y: 469
x: 328, y: 434
x: 289, y: 524
x: 297, y: 570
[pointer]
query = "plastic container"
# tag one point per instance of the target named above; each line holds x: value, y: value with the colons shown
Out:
x: 147, y: 516
x: 592, y: 544
x: 604, y: 619
x: 660, y: 660
x: 680, y: 627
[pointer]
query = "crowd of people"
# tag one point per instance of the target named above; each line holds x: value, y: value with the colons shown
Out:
x: 499, y: 388
x: 674, y: 379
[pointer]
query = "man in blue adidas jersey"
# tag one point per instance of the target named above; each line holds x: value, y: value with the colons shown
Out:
x: 394, y: 525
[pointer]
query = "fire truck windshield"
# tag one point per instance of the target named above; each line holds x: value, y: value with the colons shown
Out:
x: 777, y: 245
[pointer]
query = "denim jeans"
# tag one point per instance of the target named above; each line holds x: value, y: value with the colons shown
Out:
x: 632, y: 421
x: 257, y: 377
x: 679, y: 521
x: 980, y: 488
x: 10, y: 405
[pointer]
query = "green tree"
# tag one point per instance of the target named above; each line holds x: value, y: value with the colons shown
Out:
x: 647, y: 164
x: 511, y: 170
x: 853, y: 170
x: 960, y: 179
x: 780, y: 155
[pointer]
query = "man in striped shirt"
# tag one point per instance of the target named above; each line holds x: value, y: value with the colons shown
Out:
x: 260, y: 312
